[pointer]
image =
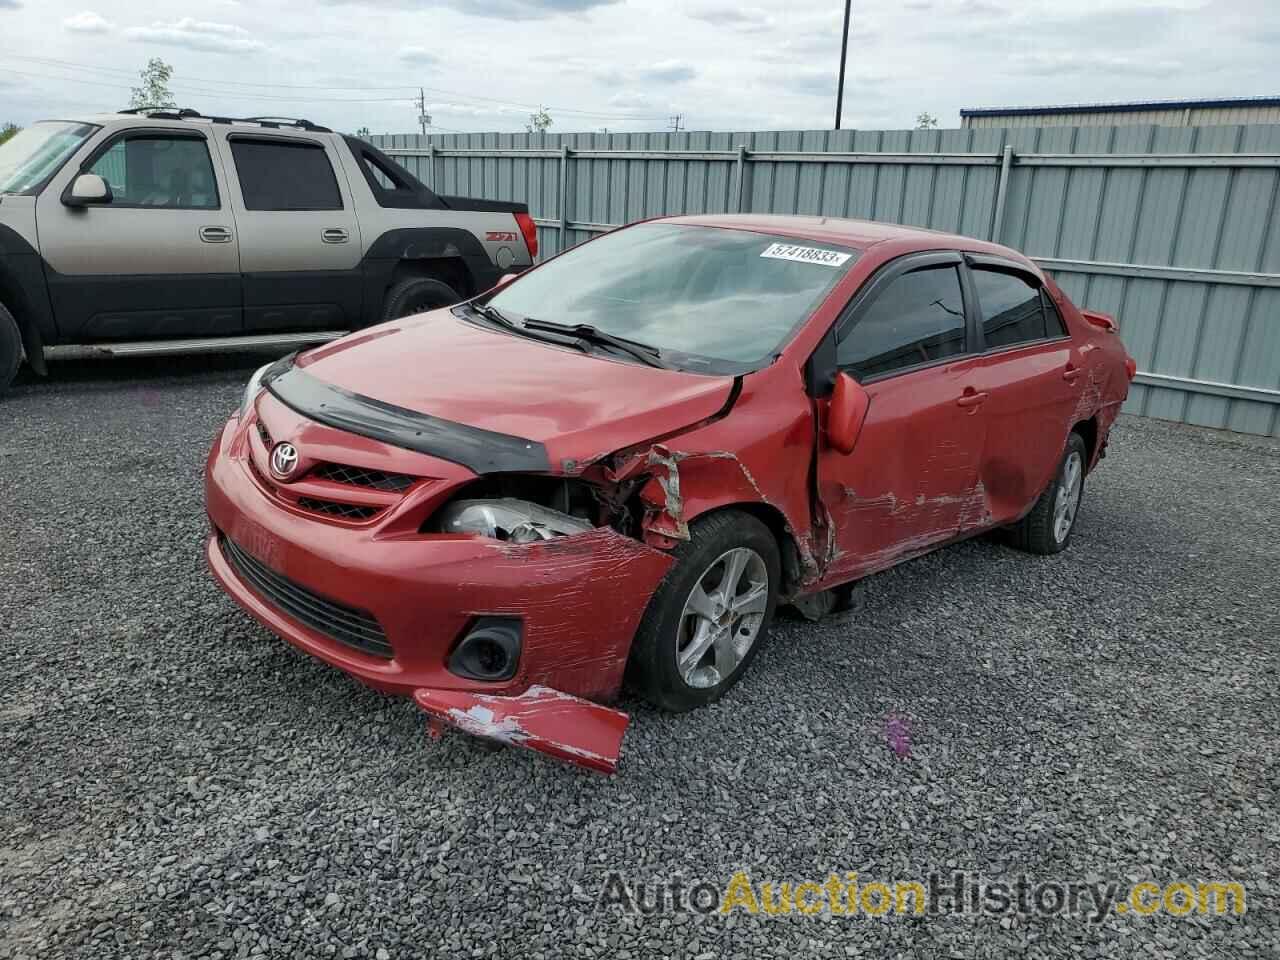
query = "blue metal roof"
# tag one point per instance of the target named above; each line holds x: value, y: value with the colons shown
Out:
x: 1130, y: 107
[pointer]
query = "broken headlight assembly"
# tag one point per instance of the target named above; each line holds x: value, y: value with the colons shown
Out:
x: 508, y: 519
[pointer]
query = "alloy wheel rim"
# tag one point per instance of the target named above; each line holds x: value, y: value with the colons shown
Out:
x: 722, y: 617
x: 1067, y: 500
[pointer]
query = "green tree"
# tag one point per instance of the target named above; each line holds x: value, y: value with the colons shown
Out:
x: 153, y: 90
x: 538, y: 122
x: 926, y: 121
x: 7, y: 132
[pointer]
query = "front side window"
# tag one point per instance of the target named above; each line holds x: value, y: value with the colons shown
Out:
x: 1012, y: 312
x: 34, y: 154
x: 153, y: 170
x: 279, y: 176
x: 918, y: 318
x: 712, y: 299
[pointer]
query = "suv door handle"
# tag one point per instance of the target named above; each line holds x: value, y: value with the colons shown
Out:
x: 215, y: 235
x: 335, y: 235
x: 971, y: 398
x: 1072, y: 373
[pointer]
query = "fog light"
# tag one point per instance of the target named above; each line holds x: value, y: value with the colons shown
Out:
x: 490, y: 650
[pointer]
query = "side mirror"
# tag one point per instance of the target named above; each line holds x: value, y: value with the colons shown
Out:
x: 505, y: 279
x: 846, y: 410
x: 87, y: 190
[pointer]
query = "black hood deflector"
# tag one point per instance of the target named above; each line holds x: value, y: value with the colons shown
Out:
x: 481, y: 451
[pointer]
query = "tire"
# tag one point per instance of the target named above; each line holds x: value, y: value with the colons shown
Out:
x: 1047, y: 528
x: 718, y: 543
x: 10, y: 349
x: 417, y: 295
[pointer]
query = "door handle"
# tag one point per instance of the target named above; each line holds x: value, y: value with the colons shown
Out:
x: 1072, y: 373
x: 335, y: 235
x: 971, y: 398
x: 215, y: 235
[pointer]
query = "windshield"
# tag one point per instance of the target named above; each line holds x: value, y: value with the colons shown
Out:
x: 717, y: 299
x: 35, y: 154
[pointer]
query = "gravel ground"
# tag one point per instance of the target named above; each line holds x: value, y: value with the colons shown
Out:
x: 177, y: 782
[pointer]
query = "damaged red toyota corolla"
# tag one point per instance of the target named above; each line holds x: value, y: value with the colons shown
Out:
x: 617, y: 465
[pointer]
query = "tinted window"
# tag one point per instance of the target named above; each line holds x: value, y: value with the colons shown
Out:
x: 159, y: 171
x: 285, y: 176
x: 1011, y: 308
x: 1053, y: 325
x: 919, y: 318
x: 701, y: 294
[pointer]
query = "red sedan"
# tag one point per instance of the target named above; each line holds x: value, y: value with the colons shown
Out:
x: 616, y: 465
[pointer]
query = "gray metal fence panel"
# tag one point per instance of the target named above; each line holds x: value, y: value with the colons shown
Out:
x: 1172, y: 229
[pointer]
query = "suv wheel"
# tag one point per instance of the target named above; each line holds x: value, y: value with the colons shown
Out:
x: 10, y: 348
x: 417, y: 295
x: 710, y: 615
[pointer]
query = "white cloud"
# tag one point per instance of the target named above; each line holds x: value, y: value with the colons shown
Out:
x: 667, y: 71
x: 10, y: 4
x: 198, y: 35
x: 417, y: 56
x: 86, y: 21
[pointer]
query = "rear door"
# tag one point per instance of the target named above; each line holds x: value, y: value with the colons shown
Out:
x: 299, y: 238
x: 160, y: 260
x: 1033, y: 376
x: 910, y: 482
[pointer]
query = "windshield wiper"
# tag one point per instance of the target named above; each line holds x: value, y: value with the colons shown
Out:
x: 585, y: 331
x: 493, y: 314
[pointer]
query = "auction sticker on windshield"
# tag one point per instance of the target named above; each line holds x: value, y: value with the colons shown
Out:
x: 791, y: 251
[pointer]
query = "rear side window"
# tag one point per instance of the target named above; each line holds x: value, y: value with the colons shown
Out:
x: 918, y: 319
x: 275, y: 175
x: 1053, y: 325
x: 155, y: 170
x: 1012, y: 308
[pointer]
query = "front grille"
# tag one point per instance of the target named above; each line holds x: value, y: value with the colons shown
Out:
x: 355, y: 628
x: 363, y: 477
x: 331, y: 508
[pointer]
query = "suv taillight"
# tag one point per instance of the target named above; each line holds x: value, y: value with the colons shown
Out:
x: 530, y: 231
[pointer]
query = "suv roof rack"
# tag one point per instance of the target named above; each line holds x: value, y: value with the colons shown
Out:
x: 186, y: 113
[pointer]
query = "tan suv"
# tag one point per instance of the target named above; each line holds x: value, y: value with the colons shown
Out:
x: 159, y: 231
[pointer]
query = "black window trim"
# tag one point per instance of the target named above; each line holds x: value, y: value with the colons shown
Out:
x: 870, y: 291
x: 986, y: 261
x: 416, y: 195
x: 149, y: 133
x: 275, y: 140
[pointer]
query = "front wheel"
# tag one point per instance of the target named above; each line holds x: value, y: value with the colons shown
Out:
x: 708, y: 618
x: 1047, y: 528
x: 10, y: 348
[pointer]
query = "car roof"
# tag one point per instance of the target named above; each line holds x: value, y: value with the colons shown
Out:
x: 167, y: 119
x: 858, y: 234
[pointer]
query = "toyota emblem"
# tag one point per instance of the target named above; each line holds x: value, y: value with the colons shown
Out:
x: 284, y: 460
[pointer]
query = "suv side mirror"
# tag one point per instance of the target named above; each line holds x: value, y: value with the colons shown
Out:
x: 87, y: 190
x: 846, y: 410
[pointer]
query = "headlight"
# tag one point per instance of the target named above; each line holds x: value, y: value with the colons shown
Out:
x: 516, y: 521
x: 252, y: 390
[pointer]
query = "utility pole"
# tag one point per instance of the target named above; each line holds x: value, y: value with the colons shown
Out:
x: 676, y: 121
x: 424, y: 118
x: 844, y: 52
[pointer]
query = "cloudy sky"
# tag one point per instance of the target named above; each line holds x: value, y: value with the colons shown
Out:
x: 630, y: 64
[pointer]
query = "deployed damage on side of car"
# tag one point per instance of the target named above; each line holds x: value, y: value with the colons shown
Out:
x: 680, y: 426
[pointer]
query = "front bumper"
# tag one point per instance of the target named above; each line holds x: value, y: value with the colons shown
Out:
x: 579, y: 598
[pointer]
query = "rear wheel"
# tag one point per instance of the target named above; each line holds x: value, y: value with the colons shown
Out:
x: 417, y: 295
x: 710, y: 615
x: 1047, y: 528
x: 10, y: 348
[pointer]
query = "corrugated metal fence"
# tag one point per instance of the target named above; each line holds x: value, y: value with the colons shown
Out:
x: 1172, y: 229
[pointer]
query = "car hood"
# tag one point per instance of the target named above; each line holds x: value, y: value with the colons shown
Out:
x: 578, y: 406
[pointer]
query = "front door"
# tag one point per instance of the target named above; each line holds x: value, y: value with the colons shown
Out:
x: 161, y: 259
x: 911, y: 480
x: 299, y: 239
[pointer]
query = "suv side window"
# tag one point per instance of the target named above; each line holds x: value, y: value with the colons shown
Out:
x: 919, y: 318
x: 282, y: 175
x: 1012, y: 310
x: 159, y: 170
